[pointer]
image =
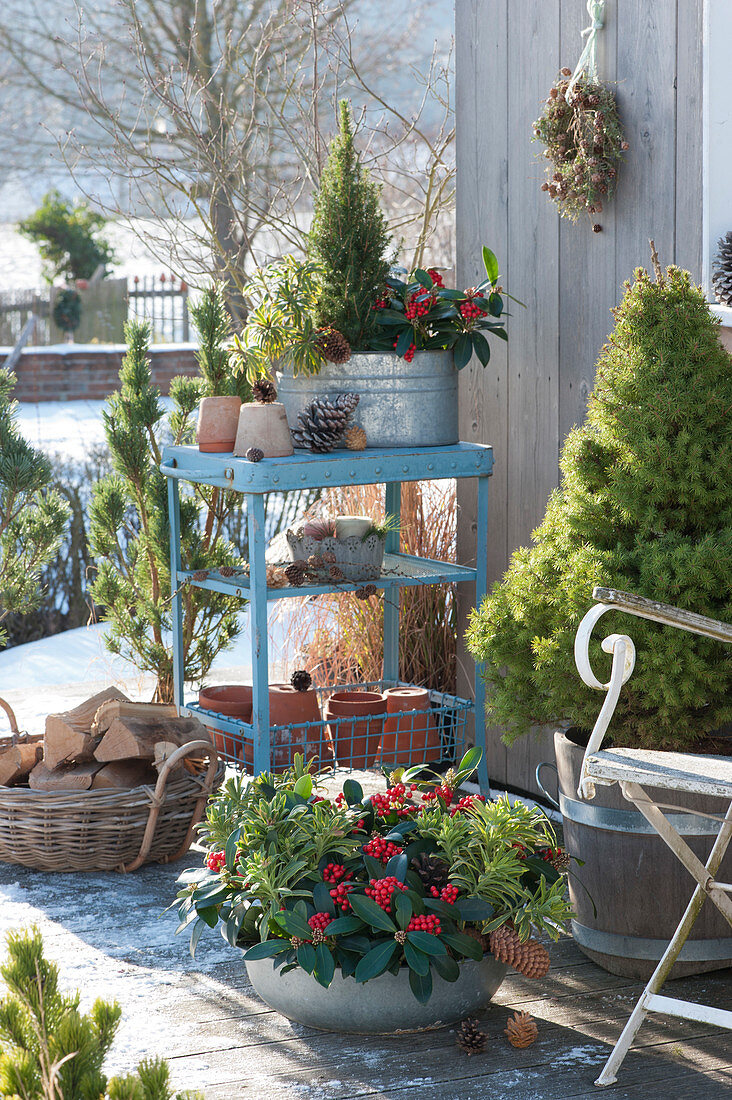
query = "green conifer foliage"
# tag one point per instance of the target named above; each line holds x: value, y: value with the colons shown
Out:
x: 49, y: 1050
x: 129, y: 512
x: 32, y: 518
x: 644, y: 506
x: 349, y: 238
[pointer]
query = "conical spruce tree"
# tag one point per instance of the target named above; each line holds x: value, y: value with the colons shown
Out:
x: 644, y: 506
x: 49, y: 1050
x: 349, y: 238
x: 129, y: 511
x: 32, y: 517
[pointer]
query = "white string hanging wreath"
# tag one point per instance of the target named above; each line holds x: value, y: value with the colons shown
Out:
x: 581, y: 130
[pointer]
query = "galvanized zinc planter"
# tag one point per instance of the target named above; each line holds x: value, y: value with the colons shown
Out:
x: 381, y: 1006
x: 401, y: 404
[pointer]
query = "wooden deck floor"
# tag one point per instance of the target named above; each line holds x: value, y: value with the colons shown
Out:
x: 108, y: 936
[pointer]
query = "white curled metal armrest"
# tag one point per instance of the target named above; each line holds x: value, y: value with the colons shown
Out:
x: 623, y: 653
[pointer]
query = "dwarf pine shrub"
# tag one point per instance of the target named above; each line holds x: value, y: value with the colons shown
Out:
x: 644, y: 506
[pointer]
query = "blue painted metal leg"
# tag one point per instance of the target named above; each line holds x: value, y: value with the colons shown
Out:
x: 258, y: 625
x: 176, y: 604
x: 481, y: 581
x: 393, y: 507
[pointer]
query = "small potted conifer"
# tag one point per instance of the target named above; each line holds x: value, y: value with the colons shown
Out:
x: 346, y: 320
x: 644, y: 506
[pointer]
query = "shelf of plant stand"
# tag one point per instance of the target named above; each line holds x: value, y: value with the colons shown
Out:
x: 306, y: 470
x: 398, y: 571
x: 449, y: 713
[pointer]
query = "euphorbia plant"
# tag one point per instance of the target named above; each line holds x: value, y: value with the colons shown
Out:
x: 415, y: 878
x: 418, y: 313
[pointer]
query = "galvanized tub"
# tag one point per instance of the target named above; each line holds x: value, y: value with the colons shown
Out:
x: 401, y: 404
x: 382, y: 1006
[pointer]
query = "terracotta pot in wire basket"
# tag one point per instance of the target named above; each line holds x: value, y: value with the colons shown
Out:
x: 107, y: 830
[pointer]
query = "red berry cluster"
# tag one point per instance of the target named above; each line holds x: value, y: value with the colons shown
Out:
x: 382, y: 302
x: 469, y: 311
x: 360, y: 824
x: 418, y: 305
x: 428, y: 923
x: 320, y: 920
x: 521, y: 851
x: 447, y: 893
x: 381, y: 890
x: 435, y: 276
x: 409, y: 353
x: 382, y: 849
x: 551, y: 853
x: 466, y: 802
x: 394, y: 799
x: 215, y: 861
x: 444, y: 792
x: 334, y: 872
x: 340, y: 896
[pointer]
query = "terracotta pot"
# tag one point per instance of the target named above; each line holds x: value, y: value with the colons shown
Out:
x: 218, y: 418
x: 233, y: 700
x: 356, y: 742
x: 265, y: 427
x: 408, y: 738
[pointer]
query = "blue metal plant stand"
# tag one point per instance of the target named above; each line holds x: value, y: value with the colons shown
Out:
x: 305, y: 470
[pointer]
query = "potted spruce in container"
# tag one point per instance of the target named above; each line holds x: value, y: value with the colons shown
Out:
x: 345, y: 320
x: 644, y: 506
x: 399, y: 910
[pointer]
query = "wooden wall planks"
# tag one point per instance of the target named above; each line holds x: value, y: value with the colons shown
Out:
x: 532, y: 393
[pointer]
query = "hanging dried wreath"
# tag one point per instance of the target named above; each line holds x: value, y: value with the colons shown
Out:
x: 582, y: 133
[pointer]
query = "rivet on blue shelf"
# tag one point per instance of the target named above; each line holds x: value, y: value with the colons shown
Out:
x: 430, y: 465
x: 377, y: 469
x: 406, y: 469
x: 352, y: 473
x: 276, y: 478
x: 327, y: 473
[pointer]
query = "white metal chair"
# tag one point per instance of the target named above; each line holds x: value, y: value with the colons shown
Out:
x: 634, y: 768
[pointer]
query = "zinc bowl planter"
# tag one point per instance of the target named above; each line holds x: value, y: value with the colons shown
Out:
x: 382, y: 1006
x: 401, y: 404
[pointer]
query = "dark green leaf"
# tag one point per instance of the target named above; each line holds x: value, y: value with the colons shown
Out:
x: 404, y: 342
x: 421, y: 985
x: 374, y: 867
x: 436, y: 905
x: 306, y: 957
x: 376, y: 961
x: 353, y: 792
x: 397, y: 866
x: 210, y: 915
x: 196, y: 931
x: 294, y: 925
x: 481, y: 347
x: 495, y: 305
x: 267, y: 949
x: 390, y: 317
x: 416, y: 959
x: 450, y: 295
x: 369, y: 911
x: 404, y: 909
x: 491, y: 264
x: 426, y: 942
x: 344, y: 925
x: 321, y: 898
x: 462, y: 944
x: 470, y: 761
x: 474, y: 909
x: 447, y: 967
x: 463, y: 350
x: 324, y: 965
x: 423, y: 278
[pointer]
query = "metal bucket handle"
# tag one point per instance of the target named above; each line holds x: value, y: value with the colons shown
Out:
x: 550, y: 798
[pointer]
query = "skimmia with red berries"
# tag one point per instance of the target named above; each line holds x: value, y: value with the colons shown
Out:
x: 417, y: 312
x: 416, y: 878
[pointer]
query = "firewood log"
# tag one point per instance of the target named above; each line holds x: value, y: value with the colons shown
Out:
x: 68, y: 735
x: 123, y: 774
x: 136, y: 738
x: 122, y: 708
x: 75, y: 777
x: 10, y: 765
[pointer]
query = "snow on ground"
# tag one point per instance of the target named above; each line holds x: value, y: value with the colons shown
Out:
x: 65, y: 429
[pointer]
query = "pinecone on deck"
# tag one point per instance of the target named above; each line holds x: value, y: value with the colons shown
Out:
x: 324, y: 422
x: 334, y: 346
x: 264, y: 391
x: 432, y: 870
x: 722, y: 276
x: 470, y: 1038
x: 521, y: 1030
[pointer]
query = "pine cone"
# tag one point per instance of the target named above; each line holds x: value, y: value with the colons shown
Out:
x: 315, y: 561
x: 432, y: 870
x: 505, y: 944
x: 328, y: 557
x: 365, y: 592
x: 355, y: 438
x: 301, y: 680
x: 561, y: 861
x: 324, y: 422
x: 227, y: 571
x: 199, y: 575
x: 264, y: 391
x: 722, y: 276
x: 534, y: 962
x: 334, y: 346
x: 295, y: 573
x: 276, y: 577
x: 335, y: 573
x: 521, y: 1030
x: 254, y: 454
x: 470, y: 1038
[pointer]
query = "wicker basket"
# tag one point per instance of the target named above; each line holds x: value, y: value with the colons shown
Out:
x: 106, y: 830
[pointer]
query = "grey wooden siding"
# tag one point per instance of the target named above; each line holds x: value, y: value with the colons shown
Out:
x: 532, y: 393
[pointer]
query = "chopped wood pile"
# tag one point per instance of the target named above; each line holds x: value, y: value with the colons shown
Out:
x: 107, y: 742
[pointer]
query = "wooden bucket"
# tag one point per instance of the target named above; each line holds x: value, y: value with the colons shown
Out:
x: 639, y: 887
